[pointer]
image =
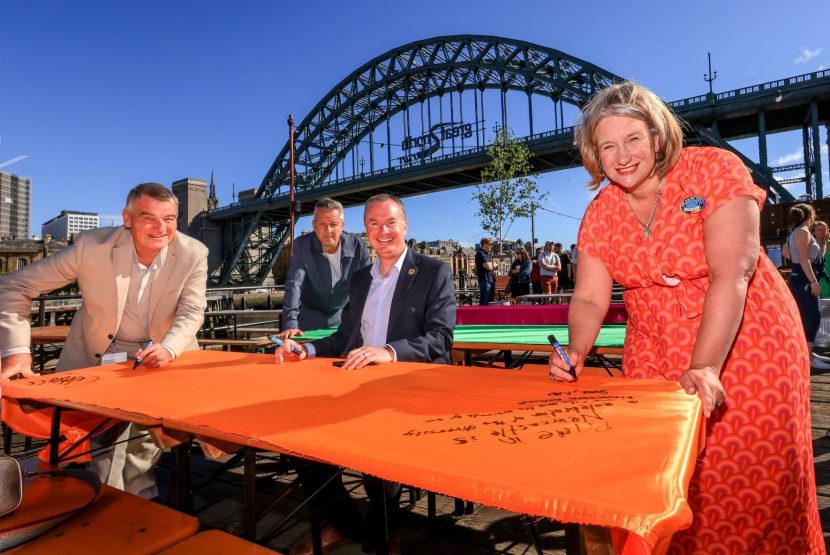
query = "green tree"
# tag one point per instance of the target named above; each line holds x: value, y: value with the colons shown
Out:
x: 507, y: 190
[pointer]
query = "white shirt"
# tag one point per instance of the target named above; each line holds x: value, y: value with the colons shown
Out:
x: 334, y: 262
x: 551, y: 259
x: 374, y: 322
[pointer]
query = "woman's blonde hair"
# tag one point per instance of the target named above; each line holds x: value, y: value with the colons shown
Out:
x: 635, y: 101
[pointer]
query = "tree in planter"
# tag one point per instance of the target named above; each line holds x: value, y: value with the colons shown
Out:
x: 507, y: 190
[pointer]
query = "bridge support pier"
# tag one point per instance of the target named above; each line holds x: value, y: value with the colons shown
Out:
x: 816, y: 148
x: 762, y: 140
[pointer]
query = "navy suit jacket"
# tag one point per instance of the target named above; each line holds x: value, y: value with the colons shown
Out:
x: 310, y: 302
x: 421, y: 319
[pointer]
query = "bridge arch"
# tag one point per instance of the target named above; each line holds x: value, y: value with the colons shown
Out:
x: 412, y: 74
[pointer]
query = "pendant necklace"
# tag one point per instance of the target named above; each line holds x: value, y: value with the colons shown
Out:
x: 647, y: 226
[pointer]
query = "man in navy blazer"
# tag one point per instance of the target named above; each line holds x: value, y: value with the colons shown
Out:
x: 402, y: 308
x: 322, y: 265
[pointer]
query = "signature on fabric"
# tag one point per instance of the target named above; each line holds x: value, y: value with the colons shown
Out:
x: 560, y: 415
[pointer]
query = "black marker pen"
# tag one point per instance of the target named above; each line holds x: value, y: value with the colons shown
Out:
x: 562, y: 354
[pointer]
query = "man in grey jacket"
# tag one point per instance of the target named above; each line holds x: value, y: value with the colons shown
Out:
x: 321, y: 268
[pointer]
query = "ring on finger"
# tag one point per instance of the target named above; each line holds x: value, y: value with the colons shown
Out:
x: 717, y: 404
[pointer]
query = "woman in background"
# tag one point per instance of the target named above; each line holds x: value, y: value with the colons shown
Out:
x: 520, y: 274
x: 808, y: 263
x: 822, y: 232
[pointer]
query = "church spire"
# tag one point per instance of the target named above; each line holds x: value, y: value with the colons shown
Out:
x: 213, y: 202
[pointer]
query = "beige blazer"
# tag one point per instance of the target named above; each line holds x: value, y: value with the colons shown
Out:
x: 100, y: 261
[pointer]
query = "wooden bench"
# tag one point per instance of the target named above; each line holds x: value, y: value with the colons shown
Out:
x: 216, y: 542
x: 116, y: 522
x: 226, y: 344
x: 501, y: 283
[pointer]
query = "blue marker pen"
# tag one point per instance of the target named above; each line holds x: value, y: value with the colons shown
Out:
x: 140, y: 360
x: 279, y: 343
x: 562, y: 354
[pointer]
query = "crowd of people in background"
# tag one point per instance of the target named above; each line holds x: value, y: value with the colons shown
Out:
x: 548, y: 270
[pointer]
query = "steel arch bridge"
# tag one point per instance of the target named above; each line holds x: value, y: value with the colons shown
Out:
x: 386, y: 86
x: 352, y: 122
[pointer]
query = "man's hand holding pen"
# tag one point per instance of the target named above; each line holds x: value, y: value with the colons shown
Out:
x: 286, y: 347
x: 153, y: 355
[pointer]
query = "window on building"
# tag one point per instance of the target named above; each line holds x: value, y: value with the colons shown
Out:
x: 20, y: 263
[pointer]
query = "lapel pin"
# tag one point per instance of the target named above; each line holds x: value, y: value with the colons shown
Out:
x: 692, y: 205
x: 412, y: 271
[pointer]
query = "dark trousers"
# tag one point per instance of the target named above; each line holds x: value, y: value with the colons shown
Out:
x: 806, y: 301
x: 486, y: 292
x: 334, y: 504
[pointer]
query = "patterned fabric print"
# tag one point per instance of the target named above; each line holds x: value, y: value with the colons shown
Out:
x: 754, y: 490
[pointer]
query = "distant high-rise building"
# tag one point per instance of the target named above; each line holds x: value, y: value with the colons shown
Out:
x: 15, y: 206
x: 69, y: 223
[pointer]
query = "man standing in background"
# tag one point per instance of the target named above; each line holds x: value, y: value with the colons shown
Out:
x: 321, y: 268
x: 564, y: 273
x: 549, y: 267
x: 485, y: 272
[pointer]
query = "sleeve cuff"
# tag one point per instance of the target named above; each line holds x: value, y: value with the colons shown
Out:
x: 394, y: 352
x: 169, y: 350
x: 310, y: 350
x: 18, y: 350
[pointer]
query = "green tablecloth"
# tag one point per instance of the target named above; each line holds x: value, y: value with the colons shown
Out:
x: 611, y: 335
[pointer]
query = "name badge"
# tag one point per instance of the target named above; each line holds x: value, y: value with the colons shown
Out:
x: 692, y: 205
x: 112, y: 358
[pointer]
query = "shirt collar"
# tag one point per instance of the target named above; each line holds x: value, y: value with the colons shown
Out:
x: 375, y: 271
x: 157, y: 262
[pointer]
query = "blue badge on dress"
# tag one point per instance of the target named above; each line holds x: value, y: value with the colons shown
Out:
x: 692, y: 205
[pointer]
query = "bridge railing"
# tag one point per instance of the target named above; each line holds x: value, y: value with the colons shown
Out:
x: 750, y: 90
x: 564, y: 132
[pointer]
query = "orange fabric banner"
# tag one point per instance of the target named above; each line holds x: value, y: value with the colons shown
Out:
x: 75, y: 426
x: 606, y: 451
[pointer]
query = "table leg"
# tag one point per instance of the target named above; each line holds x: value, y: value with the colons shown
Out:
x: 249, y: 503
x: 55, y: 436
x: 181, y: 495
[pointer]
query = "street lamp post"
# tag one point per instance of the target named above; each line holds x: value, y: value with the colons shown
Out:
x: 291, y: 180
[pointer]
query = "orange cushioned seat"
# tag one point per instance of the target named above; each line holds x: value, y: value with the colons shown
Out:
x: 216, y: 542
x: 116, y: 522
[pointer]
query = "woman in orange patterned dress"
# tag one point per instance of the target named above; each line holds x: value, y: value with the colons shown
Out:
x: 679, y: 228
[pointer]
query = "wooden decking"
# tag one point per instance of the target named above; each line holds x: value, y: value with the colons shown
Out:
x: 820, y: 406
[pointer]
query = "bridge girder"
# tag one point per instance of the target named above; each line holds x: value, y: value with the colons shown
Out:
x: 385, y: 87
x: 411, y: 74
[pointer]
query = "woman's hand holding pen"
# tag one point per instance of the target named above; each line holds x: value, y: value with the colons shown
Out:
x: 559, y: 369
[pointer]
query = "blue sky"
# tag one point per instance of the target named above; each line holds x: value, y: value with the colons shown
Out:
x: 102, y: 95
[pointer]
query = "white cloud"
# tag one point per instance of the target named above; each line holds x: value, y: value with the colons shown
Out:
x: 796, y: 157
x: 807, y: 55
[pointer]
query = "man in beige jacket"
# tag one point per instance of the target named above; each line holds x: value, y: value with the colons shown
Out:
x: 139, y: 282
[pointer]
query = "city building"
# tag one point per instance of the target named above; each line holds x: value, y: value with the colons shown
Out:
x: 17, y: 253
x: 15, y: 206
x: 192, y: 195
x: 69, y: 223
